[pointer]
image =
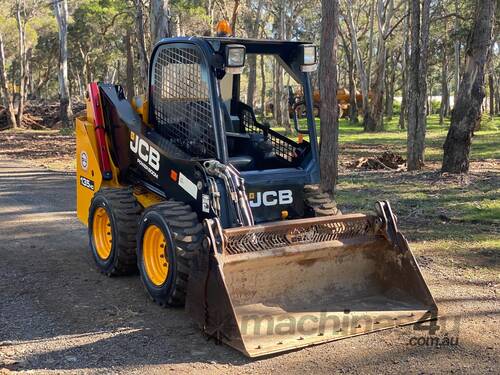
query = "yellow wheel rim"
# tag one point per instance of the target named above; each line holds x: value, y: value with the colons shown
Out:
x: 101, y: 232
x: 154, y: 254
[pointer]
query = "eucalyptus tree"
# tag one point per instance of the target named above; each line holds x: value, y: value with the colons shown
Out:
x: 328, y: 88
x: 65, y: 111
x: 467, y: 110
x: 417, y: 83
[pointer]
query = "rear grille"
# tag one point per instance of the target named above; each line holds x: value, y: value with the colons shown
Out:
x: 273, y: 236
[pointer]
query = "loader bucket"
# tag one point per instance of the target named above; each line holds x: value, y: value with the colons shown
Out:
x: 275, y: 287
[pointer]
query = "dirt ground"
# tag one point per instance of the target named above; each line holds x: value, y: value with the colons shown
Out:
x: 59, y: 315
x: 48, y: 149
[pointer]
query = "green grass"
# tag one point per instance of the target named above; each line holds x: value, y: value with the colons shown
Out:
x: 441, y: 216
x: 455, y: 218
x: 484, y: 211
x: 425, y: 193
x: 485, y: 144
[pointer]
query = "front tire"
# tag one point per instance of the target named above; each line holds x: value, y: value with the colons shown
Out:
x: 112, y: 228
x: 169, y: 236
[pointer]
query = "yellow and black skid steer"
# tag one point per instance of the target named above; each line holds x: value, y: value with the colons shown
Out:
x: 222, y: 214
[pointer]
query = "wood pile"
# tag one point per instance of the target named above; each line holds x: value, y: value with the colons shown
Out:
x: 388, y: 161
x: 40, y: 115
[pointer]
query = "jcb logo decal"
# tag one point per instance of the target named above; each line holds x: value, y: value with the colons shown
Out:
x: 270, y: 198
x: 145, y: 152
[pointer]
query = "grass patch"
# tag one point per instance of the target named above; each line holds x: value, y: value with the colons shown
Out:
x: 487, y: 210
x: 485, y: 144
x: 442, y: 218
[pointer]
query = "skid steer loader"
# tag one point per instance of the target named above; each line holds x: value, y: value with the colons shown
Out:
x: 222, y: 214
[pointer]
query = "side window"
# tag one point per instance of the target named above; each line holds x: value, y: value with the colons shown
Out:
x: 182, y: 111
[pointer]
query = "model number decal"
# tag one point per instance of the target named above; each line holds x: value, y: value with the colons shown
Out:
x: 149, y: 157
x: 270, y: 198
x: 85, y: 182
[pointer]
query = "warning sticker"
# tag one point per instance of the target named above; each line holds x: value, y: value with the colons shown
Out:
x: 188, y: 186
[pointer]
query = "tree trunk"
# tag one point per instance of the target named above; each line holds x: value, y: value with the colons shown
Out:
x: 210, y: 9
x: 252, y: 78
x: 280, y: 99
x: 445, y: 97
x: 405, y: 71
x: 328, y: 90
x: 467, y: 110
x: 234, y: 15
x: 369, y: 122
x: 363, y: 78
x: 4, y: 90
x: 374, y: 122
x: 391, y: 82
x: 429, y: 109
x: 457, y: 57
x: 78, y: 79
x: 141, y: 45
x: 417, y: 84
x: 28, y: 87
x: 65, y: 112
x: 158, y: 17
x: 130, y: 65
x: 252, y: 23
x: 353, y: 103
x: 22, y: 60
x: 417, y: 101
x: 491, y: 83
x: 371, y: 16
x: 263, y: 88
x: 353, y: 106
x: 496, y: 93
x: 282, y: 33
x: 277, y: 90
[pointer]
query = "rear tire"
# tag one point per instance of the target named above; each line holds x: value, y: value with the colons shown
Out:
x: 112, y: 228
x: 165, y: 269
x: 319, y: 203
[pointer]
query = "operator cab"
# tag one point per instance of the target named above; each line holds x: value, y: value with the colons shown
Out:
x: 197, y: 103
x: 251, y: 143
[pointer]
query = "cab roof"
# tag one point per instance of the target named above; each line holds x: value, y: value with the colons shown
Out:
x: 261, y: 46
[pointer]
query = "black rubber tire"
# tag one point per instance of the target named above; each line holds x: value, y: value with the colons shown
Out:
x: 319, y: 203
x: 184, y: 233
x: 123, y: 212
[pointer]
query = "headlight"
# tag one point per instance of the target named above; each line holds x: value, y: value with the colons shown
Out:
x: 235, y: 58
x: 309, y: 62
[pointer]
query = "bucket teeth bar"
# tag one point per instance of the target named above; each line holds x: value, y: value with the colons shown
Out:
x: 297, y: 232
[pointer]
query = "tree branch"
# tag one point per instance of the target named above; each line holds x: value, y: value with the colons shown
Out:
x: 456, y: 15
x: 395, y: 25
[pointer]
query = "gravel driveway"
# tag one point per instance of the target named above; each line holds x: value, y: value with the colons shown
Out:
x: 58, y: 314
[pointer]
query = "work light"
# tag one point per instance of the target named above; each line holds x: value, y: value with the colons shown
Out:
x: 309, y: 62
x: 235, y: 58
